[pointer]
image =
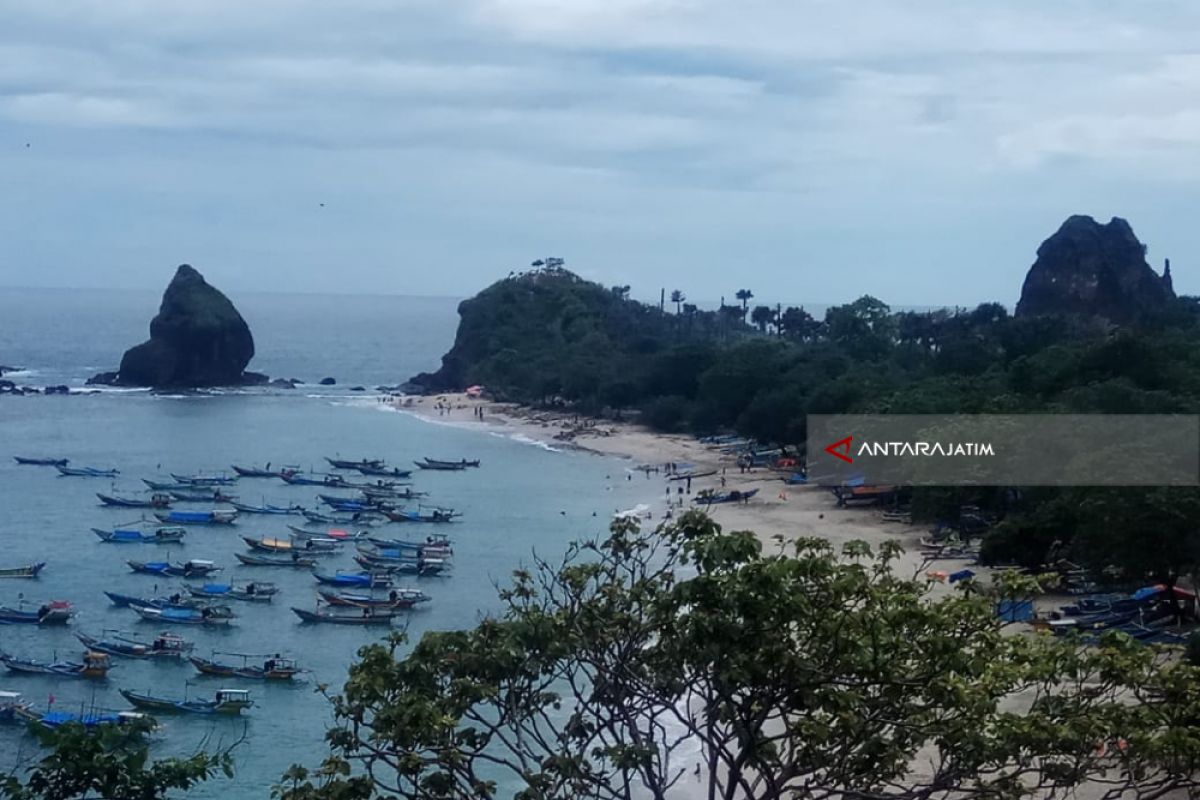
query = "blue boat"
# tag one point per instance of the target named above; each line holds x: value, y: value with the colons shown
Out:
x: 319, y: 480
x: 218, y: 516
x: 154, y: 501
x: 168, y: 535
x: 357, y: 580
x: 194, y: 568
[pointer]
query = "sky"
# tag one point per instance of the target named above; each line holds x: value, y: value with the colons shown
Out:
x: 809, y: 150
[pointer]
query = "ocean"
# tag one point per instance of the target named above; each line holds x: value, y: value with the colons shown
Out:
x: 526, y: 496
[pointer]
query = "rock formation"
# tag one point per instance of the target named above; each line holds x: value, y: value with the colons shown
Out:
x: 1094, y: 270
x: 198, y: 339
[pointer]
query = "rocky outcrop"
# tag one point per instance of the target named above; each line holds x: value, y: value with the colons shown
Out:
x: 1094, y: 270
x: 198, y: 339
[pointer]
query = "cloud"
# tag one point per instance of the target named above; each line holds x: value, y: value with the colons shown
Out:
x: 786, y: 123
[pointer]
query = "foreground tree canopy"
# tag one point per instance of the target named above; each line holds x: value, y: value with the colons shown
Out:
x: 687, y: 661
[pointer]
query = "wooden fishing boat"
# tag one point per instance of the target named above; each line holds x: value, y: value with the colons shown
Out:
x: 460, y: 464
x: 264, y: 472
x: 225, y: 701
x: 425, y: 567
x: 154, y: 501
x: 13, y: 708
x: 295, y: 560
x: 436, y: 516
x: 218, y: 516
x: 56, y: 612
x: 352, y: 506
x: 202, y: 495
x: 30, y: 571
x: 92, y: 719
x: 211, y: 616
x: 297, y: 479
x: 376, y: 494
x: 435, y: 545
x: 251, y: 592
x: 163, y: 646
x: 274, y: 668
x: 164, y: 535
x: 367, y: 616
x: 711, y: 498
x: 86, y: 472
x: 369, y: 463
x: 395, y: 599
x: 331, y: 534
x: 205, y: 480
x: 385, y: 472
x: 160, y: 486
x: 356, y: 580
x: 42, y: 462
x: 193, y: 568
x: 266, y: 509
x: 362, y: 519
x: 94, y: 665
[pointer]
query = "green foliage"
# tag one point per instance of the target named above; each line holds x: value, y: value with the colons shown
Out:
x: 801, y: 668
x: 109, y: 761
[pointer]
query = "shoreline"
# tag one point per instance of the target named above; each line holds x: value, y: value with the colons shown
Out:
x: 778, y: 514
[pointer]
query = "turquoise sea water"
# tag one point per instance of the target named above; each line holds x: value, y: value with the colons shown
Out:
x: 525, y: 496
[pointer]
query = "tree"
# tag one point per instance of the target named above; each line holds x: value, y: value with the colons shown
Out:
x: 801, y: 674
x: 677, y: 297
x: 762, y: 316
x: 745, y: 296
x: 796, y: 323
x: 865, y: 327
x: 109, y: 761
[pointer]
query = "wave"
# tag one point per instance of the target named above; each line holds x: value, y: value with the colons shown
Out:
x: 523, y: 439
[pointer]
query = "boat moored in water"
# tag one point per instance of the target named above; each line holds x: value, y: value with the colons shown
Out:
x: 29, y: 571
x: 94, y: 665
x: 154, y: 501
x: 225, y: 701
x: 251, y: 592
x: 164, y: 535
x: 86, y: 472
x: 294, y: 560
x: 56, y: 612
x: 42, y: 462
x: 218, y: 516
x: 193, y: 568
x: 274, y: 668
x: 115, y: 643
x: 211, y: 616
x: 367, y: 616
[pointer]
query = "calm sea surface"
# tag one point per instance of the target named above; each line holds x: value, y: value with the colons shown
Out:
x: 525, y: 496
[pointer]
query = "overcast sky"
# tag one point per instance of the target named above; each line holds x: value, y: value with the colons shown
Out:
x: 810, y: 151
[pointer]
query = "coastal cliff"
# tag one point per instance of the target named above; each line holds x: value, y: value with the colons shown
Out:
x: 197, y: 339
x: 1095, y: 270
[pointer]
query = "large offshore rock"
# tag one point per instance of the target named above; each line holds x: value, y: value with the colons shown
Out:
x: 197, y: 339
x: 1095, y: 270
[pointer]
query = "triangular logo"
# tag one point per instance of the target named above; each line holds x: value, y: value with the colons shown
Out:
x: 841, y: 449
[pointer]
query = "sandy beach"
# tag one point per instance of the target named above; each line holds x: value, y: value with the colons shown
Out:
x: 778, y: 512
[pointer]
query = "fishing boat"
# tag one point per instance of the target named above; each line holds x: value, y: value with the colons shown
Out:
x: 94, y: 665
x: 445, y: 466
x: 403, y: 563
x: 92, y: 719
x: 711, y: 498
x: 437, y: 515
x: 202, y: 495
x: 205, y: 480
x: 225, y: 701
x: 266, y: 509
x: 351, y: 506
x: 251, y: 592
x: 356, y: 580
x: 56, y: 612
x: 160, y: 486
x: 264, y: 472
x: 297, y: 479
x: 164, y: 645
x: 193, y: 568
x: 436, y: 545
x: 376, y: 493
x: 13, y: 707
x: 86, y: 472
x: 164, y: 535
x: 395, y: 599
x: 385, y: 472
x: 269, y: 545
x: 332, y: 534
x: 369, y: 463
x: 42, y: 462
x: 154, y: 501
x: 274, y: 668
x: 218, y: 516
x: 295, y: 560
x: 30, y: 571
x: 365, y: 520
x: 367, y: 616
x: 183, y: 615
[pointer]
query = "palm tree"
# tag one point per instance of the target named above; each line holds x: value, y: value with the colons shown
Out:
x: 744, y: 295
x: 677, y: 297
